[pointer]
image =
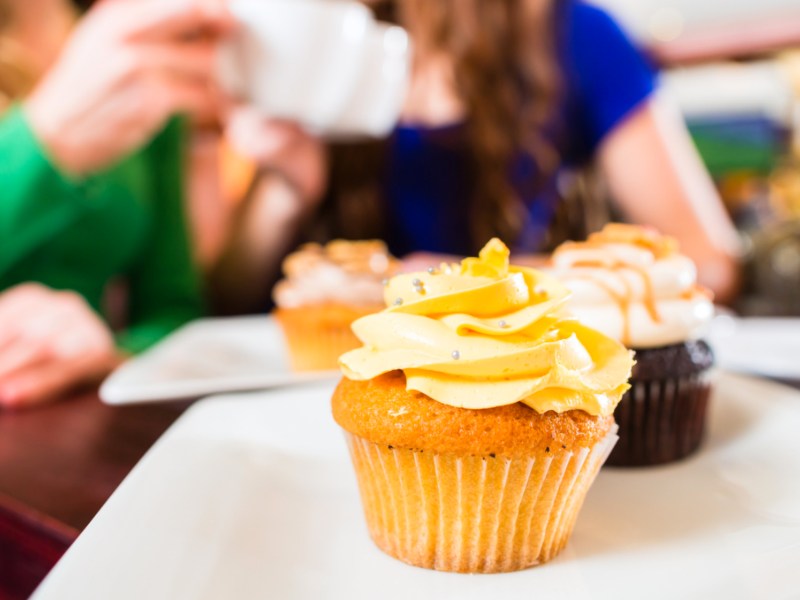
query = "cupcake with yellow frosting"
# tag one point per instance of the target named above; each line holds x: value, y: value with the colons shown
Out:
x: 324, y: 290
x: 634, y: 285
x: 477, y: 416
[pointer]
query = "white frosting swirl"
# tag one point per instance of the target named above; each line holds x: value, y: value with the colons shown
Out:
x: 633, y: 285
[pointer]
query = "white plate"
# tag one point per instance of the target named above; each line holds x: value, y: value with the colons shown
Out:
x: 252, y: 496
x: 762, y: 346
x: 209, y: 356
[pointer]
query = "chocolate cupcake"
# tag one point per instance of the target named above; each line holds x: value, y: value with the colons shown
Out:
x: 634, y: 285
x: 662, y: 419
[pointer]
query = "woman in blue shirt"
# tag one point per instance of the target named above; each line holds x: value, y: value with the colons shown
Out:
x: 505, y: 96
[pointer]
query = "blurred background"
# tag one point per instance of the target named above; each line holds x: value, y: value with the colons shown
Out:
x: 733, y: 66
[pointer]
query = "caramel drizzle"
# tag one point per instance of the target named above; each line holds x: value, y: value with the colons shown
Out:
x: 625, y: 299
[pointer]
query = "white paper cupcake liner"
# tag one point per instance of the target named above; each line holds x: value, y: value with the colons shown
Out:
x: 477, y: 514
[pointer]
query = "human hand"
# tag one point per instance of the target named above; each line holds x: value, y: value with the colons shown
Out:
x: 50, y: 341
x: 129, y: 66
x: 282, y: 147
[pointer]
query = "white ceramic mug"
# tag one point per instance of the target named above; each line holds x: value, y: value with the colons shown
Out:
x: 323, y: 63
x: 376, y: 102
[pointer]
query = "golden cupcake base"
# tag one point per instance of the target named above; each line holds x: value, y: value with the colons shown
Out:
x: 317, y: 336
x: 473, y: 514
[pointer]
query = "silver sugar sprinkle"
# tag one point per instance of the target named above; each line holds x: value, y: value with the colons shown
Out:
x: 384, y: 282
x: 416, y: 282
x: 432, y: 270
x: 398, y: 301
x: 456, y: 354
x: 502, y: 324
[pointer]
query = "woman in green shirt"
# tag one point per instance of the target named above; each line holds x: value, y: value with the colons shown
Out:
x: 91, y: 183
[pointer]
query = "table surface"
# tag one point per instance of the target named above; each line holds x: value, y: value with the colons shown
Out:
x: 58, y: 465
x: 253, y: 496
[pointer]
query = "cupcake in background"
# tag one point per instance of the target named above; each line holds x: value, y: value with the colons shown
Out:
x: 633, y: 284
x: 325, y: 289
x: 477, y: 418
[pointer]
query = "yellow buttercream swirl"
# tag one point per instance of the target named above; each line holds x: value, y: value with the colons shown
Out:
x: 483, y: 334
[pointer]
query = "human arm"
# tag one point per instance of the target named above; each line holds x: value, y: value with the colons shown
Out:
x: 87, y: 113
x: 263, y: 229
x: 291, y: 181
x: 38, y: 201
x: 51, y: 340
x: 124, y: 72
x: 128, y: 66
x: 642, y: 146
x: 656, y: 177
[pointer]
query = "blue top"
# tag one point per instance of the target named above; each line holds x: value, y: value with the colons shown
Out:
x: 427, y: 181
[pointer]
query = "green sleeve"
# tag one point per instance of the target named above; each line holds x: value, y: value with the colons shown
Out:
x: 36, y: 201
x: 164, y: 285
